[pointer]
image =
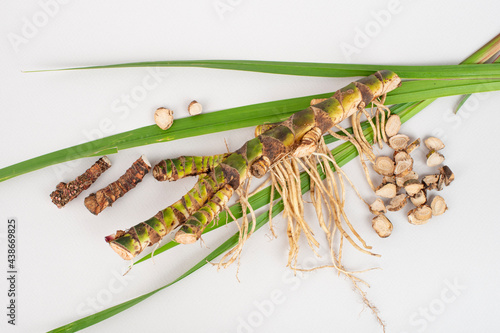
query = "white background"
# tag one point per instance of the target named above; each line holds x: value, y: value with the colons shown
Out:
x: 66, y: 268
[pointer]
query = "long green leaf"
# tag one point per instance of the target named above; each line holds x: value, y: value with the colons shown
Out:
x: 322, y: 69
x: 234, y: 118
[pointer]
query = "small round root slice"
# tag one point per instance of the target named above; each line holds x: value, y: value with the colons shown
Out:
x: 386, y: 190
x: 420, y: 215
x: 384, y: 166
x: 430, y: 181
x: 400, y: 181
x: 378, y: 207
x: 412, y: 146
x: 434, y: 158
x: 413, y: 186
x: 195, y: 108
x: 447, y: 174
x: 438, y: 205
x: 393, y: 125
x: 382, y: 226
x: 399, y: 141
x: 164, y: 118
x: 398, y: 202
x: 403, y: 167
x: 434, y: 143
x: 419, y: 199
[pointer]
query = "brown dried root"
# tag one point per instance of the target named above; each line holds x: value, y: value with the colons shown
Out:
x: 97, y: 202
x: 64, y: 193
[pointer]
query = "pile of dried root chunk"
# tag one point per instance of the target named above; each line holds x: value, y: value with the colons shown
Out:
x: 400, y: 183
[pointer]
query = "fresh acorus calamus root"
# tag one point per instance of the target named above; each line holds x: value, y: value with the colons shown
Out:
x: 216, y: 181
x: 96, y: 202
x: 65, y: 192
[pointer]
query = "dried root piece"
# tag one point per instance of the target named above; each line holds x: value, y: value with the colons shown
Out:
x: 384, y: 166
x: 412, y: 146
x: 434, y: 143
x: 400, y: 181
x: 164, y: 118
x: 382, y: 226
x: 431, y: 181
x: 194, y: 108
x: 393, y: 125
x: 386, y: 190
x: 438, y: 205
x: 419, y: 198
x: 389, y: 179
x: 446, y: 174
x: 399, y: 142
x: 413, y: 186
x: 434, y: 158
x: 64, y: 193
x: 378, y: 207
x: 420, y: 215
x: 398, y: 202
x: 96, y: 202
x: 403, y: 167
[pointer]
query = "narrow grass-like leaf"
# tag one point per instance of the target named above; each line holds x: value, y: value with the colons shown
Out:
x: 466, y: 97
x: 322, y: 69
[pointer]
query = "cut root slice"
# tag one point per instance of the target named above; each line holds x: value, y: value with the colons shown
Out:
x: 382, y: 226
x: 386, y: 190
x: 399, y: 142
x: 393, y: 125
x: 434, y: 158
x: 438, y: 205
x: 384, y: 166
x: 433, y: 143
x: 398, y: 202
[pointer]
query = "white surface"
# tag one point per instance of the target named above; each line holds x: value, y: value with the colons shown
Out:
x: 64, y: 263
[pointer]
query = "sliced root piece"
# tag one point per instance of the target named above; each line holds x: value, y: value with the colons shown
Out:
x: 412, y: 146
x: 420, y: 215
x: 164, y: 118
x: 393, y: 125
x: 378, y: 207
x: 401, y: 156
x: 433, y: 143
x: 399, y: 141
x: 419, y: 198
x: 389, y: 179
x: 430, y: 181
x: 434, y: 158
x: 386, y: 190
x: 398, y: 202
x: 447, y: 174
x: 382, y: 226
x: 195, y: 108
x: 400, y: 181
x: 403, y: 167
x: 413, y: 186
x: 438, y: 205
x: 384, y: 166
